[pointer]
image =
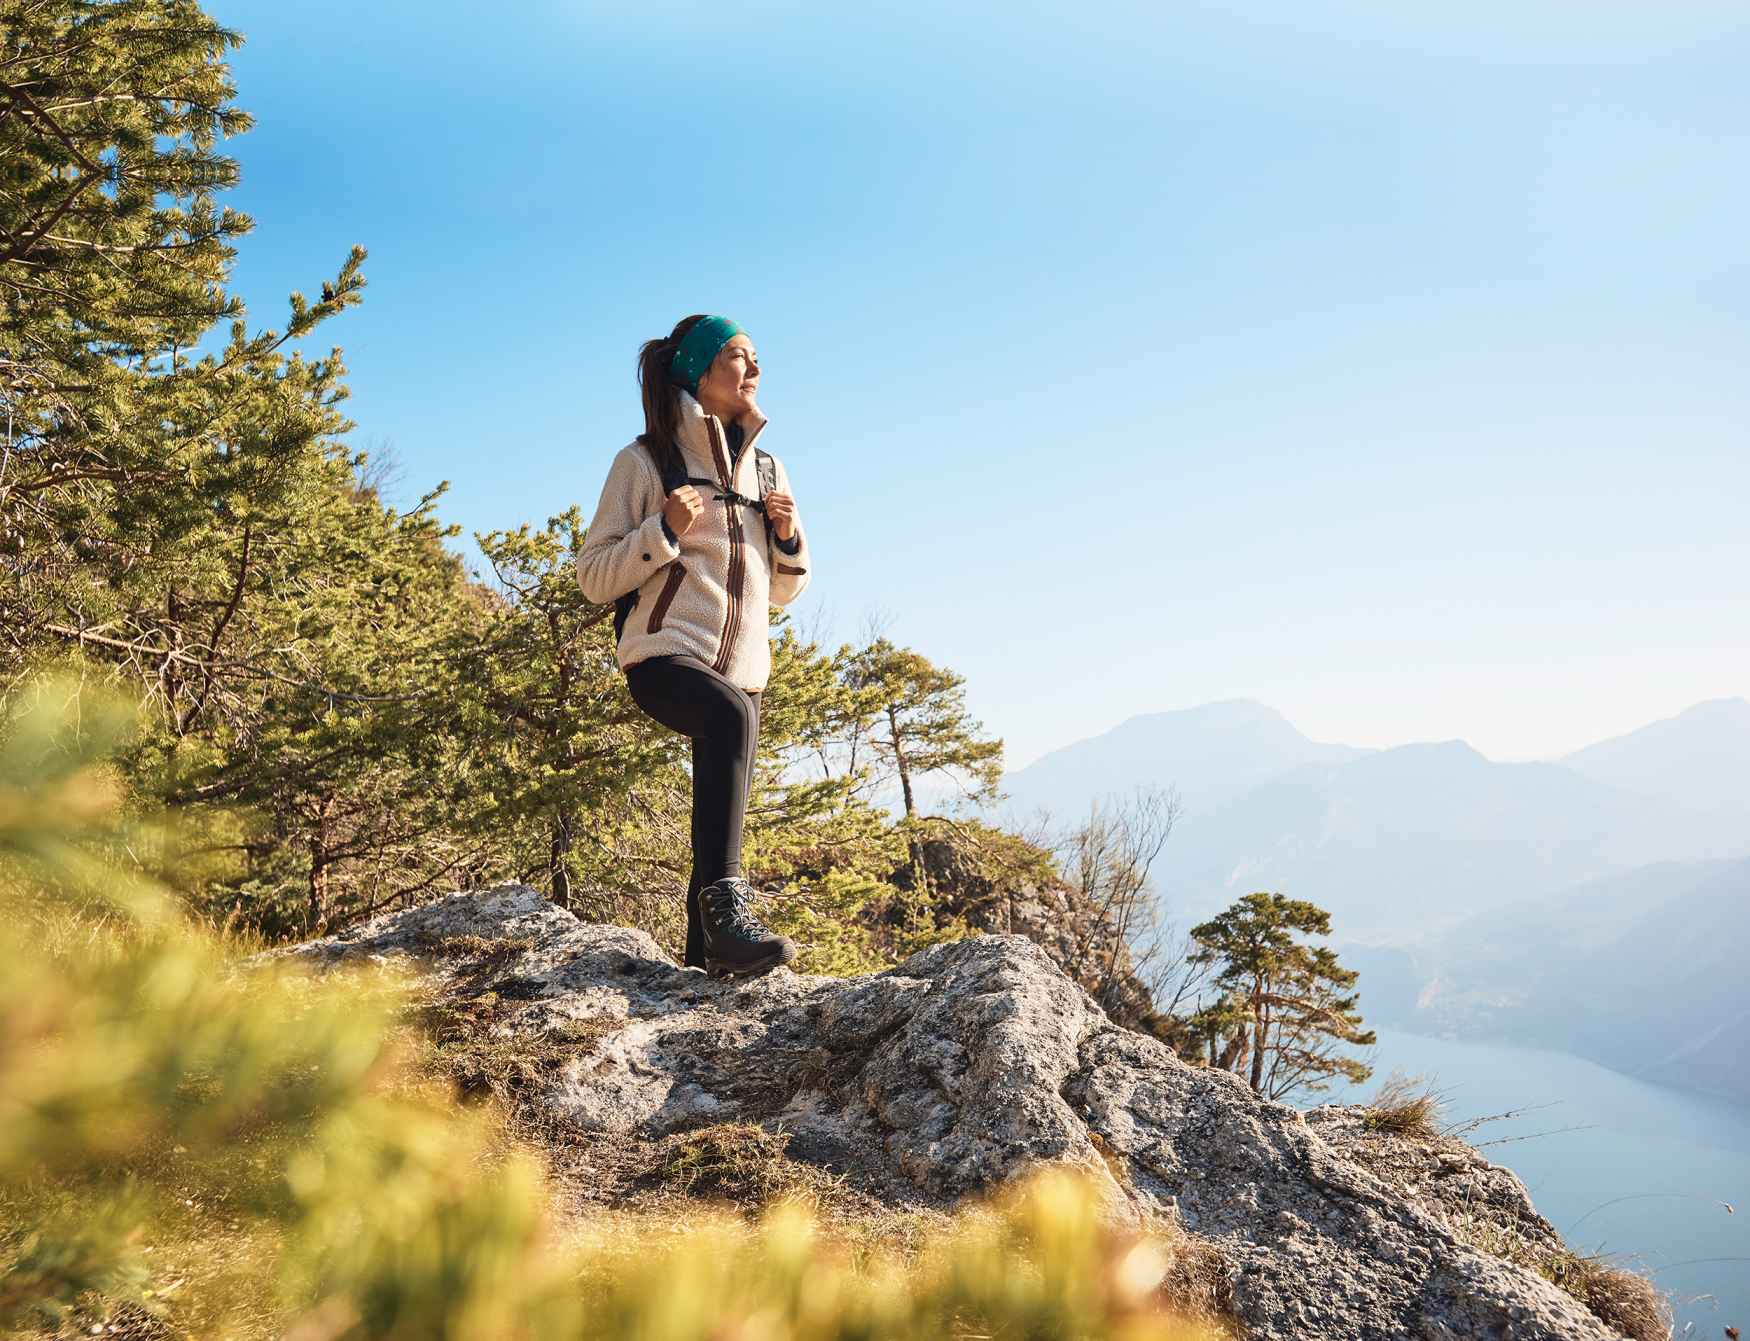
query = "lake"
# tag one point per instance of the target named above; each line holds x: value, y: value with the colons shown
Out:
x: 1677, y: 1155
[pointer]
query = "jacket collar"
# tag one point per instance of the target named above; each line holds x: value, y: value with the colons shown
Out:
x: 704, y: 442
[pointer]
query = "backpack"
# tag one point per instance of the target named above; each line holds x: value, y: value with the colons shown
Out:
x: 672, y: 480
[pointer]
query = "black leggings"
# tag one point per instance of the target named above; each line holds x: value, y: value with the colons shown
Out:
x: 686, y: 695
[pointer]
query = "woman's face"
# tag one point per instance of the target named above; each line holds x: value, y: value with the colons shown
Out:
x: 728, y: 386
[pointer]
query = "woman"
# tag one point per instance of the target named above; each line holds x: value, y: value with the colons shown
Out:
x: 695, y: 533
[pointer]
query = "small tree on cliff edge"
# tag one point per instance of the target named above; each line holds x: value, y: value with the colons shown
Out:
x: 923, y: 708
x: 1285, y: 1007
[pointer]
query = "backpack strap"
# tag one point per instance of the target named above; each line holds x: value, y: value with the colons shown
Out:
x: 767, y: 471
x: 672, y: 479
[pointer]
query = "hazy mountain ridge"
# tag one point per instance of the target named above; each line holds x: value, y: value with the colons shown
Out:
x: 1699, y: 757
x: 1256, y: 744
x: 1599, y: 903
x: 1396, y: 841
x: 1423, y: 836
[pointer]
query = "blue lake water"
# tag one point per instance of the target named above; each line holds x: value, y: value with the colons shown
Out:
x: 1638, y: 1141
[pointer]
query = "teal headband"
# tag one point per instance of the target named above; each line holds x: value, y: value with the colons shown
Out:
x: 698, y: 347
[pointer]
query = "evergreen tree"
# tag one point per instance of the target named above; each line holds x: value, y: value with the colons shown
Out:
x: 178, y: 511
x: 133, y: 467
x: 343, y: 750
x: 554, y: 740
x: 1284, y: 1005
x: 922, y: 725
x: 917, y: 723
x: 798, y: 822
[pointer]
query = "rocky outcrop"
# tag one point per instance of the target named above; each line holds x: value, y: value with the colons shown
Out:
x: 1080, y: 938
x: 959, y: 1069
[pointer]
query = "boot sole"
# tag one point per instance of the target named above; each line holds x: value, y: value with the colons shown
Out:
x: 718, y: 968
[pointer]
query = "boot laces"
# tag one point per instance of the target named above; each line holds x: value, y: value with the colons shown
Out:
x: 731, y: 898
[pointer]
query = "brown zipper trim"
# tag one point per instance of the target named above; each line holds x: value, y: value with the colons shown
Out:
x: 733, y: 580
x: 786, y: 568
x: 675, y: 573
x: 747, y: 454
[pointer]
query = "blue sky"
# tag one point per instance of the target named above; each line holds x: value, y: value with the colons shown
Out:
x: 1383, y: 363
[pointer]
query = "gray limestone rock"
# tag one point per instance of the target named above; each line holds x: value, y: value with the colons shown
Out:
x: 965, y: 1066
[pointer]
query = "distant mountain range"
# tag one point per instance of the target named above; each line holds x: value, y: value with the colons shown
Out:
x: 1598, y: 903
x: 1400, y: 841
x: 1699, y: 758
x: 1210, y: 754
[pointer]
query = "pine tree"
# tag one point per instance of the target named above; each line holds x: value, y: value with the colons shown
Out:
x: 922, y: 724
x: 917, y: 724
x: 135, y: 462
x: 555, y: 742
x: 178, y: 511
x: 344, y: 751
x: 1284, y: 1006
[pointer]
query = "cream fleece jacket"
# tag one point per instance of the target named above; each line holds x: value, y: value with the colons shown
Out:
x: 707, y: 595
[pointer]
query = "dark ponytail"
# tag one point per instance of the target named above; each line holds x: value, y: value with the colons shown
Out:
x: 662, y: 397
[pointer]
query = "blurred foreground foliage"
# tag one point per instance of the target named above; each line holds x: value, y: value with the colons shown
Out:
x: 194, y: 1142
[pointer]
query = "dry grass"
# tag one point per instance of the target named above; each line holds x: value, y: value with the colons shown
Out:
x: 1410, y: 1108
x: 1406, y: 1106
x: 1616, y: 1296
x: 1199, y: 1279
x: 474, y: 1044
x: 471, y: 1032
x: 737, y: 1162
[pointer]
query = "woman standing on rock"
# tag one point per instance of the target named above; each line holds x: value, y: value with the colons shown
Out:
x: 695, y: 533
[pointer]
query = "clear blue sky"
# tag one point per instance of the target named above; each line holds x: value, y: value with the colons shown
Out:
x: 1383, y: 362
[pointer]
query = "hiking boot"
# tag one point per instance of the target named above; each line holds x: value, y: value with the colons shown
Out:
x: 737, y: 942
